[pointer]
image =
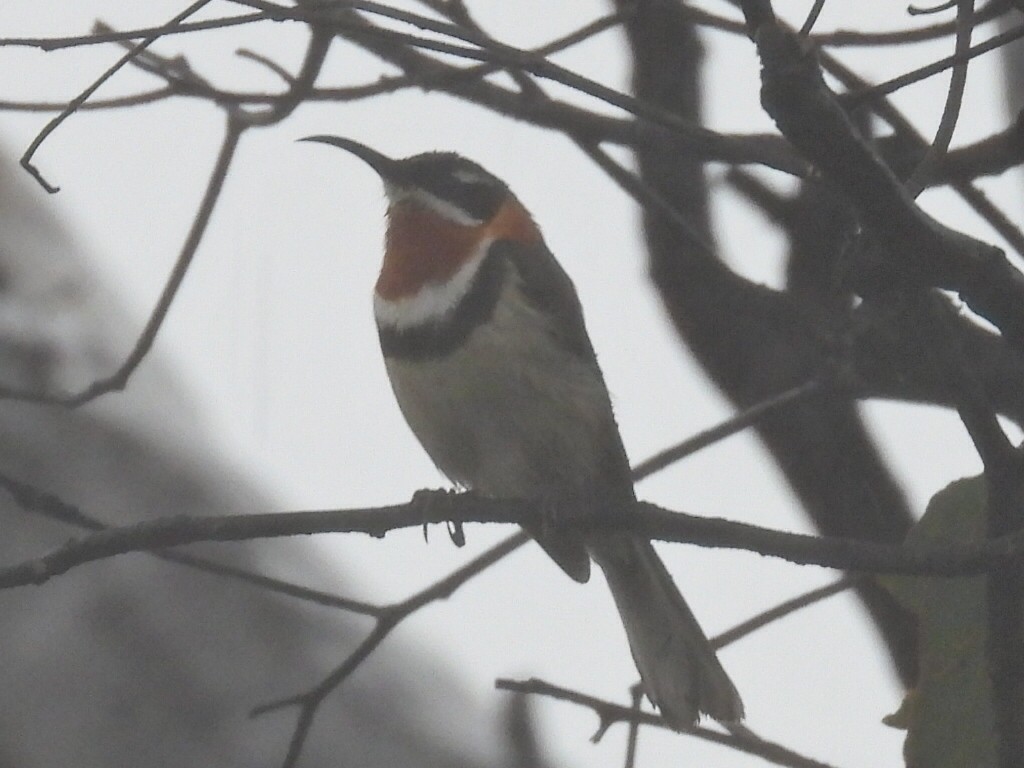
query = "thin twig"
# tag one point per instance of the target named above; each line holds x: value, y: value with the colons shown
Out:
x: 430, y: 72
x: 119, y: 378
x: 731, y: 426
x: 783, y: 609
x: 75, y: 103
x: 923, y: 73
x: 449, y: 76
x: 117, y: 102
x: 35, y: 501
x: 299, y: 86
x: 609, y: 713
x: 906, y: 131
x: 854, y: 38
x: 268, y: 63
x: 237, y: 122
x: 925, y: 10
x: 844, y: 37
x: 486, y: 49
x: 812, y: 18
x: 111, y: 36
x: 388, y: 618
x: 919, y: 179
x: 993, y: 215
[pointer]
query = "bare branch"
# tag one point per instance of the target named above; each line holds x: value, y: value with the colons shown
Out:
x: 783, y: 609
x: 856, y: 38
x: 812, y: 18
x: 74, y: 104
x: 430, y: 73
x: 119, y: 102
x: 919, y: 251
x: 587, y: 514
x: 954, y: 99
x: 992, y: 155
x: 995, y: 216
x: 843, y: 37
x: 238, y: 121
x: 731, y: 426
x: 924, y: 10
x: 119, y: 379
x: 388, y: 617
x: 609, y: 713
x: 35, y: 501
x: 488, y: 49
x: 930, y: 70
x: 111, y: 36
x: 636, y: 695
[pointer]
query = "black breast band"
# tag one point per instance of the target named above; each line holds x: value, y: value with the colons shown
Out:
x: 443, y: 336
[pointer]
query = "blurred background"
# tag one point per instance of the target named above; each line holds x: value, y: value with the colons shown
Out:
x: 266, y: 391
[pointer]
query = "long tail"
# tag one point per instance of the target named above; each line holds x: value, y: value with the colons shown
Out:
x: 680, y: 671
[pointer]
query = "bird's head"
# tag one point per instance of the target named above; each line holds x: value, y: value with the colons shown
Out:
x: 444, y: 212
x: 448, y: 185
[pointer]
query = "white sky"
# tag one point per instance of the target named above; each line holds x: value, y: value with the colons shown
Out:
x: 274, y: 337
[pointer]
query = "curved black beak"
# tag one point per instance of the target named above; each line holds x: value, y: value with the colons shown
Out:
x: 386, y: 167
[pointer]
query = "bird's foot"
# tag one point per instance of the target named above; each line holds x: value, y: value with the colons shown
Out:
x: 431, y: 502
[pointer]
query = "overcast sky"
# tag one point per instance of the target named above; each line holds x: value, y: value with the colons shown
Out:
x: 274, y: 338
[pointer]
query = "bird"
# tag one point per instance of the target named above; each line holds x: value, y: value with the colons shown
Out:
x: 487, y: 353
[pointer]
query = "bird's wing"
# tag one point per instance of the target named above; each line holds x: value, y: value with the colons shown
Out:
x: 547, y: 286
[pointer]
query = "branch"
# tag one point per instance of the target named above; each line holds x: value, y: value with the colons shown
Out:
x: 843, y: 37
x: 609, y: 713
x: 238, y: 121
x: 933, y: 156
x: 930, y: 70
x: 119, y: 379
x: 388, y: 617
x: 74, y: 104
x: 812, y: 18
x: 920, y: 251
x: 35, y: 501
x: 118, y: 102
x: 111, y: 36
x: 430, y: 73
x: 737, y: 423
x: 989, y: 156
x: 907, y: 146
x: 783, y: 609
x: 488, y: 49
x: 856, y: 38
x: 586, y: 514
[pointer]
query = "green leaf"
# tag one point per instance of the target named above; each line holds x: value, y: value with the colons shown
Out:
x: 948, y: 716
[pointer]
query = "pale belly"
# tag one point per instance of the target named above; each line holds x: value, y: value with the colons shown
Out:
x: 509, y: 413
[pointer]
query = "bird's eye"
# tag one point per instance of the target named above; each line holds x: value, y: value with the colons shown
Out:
x: 459, y: 184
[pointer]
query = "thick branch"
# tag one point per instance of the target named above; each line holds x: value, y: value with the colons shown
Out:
x: 919, y: 251
x: 754, y: 341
